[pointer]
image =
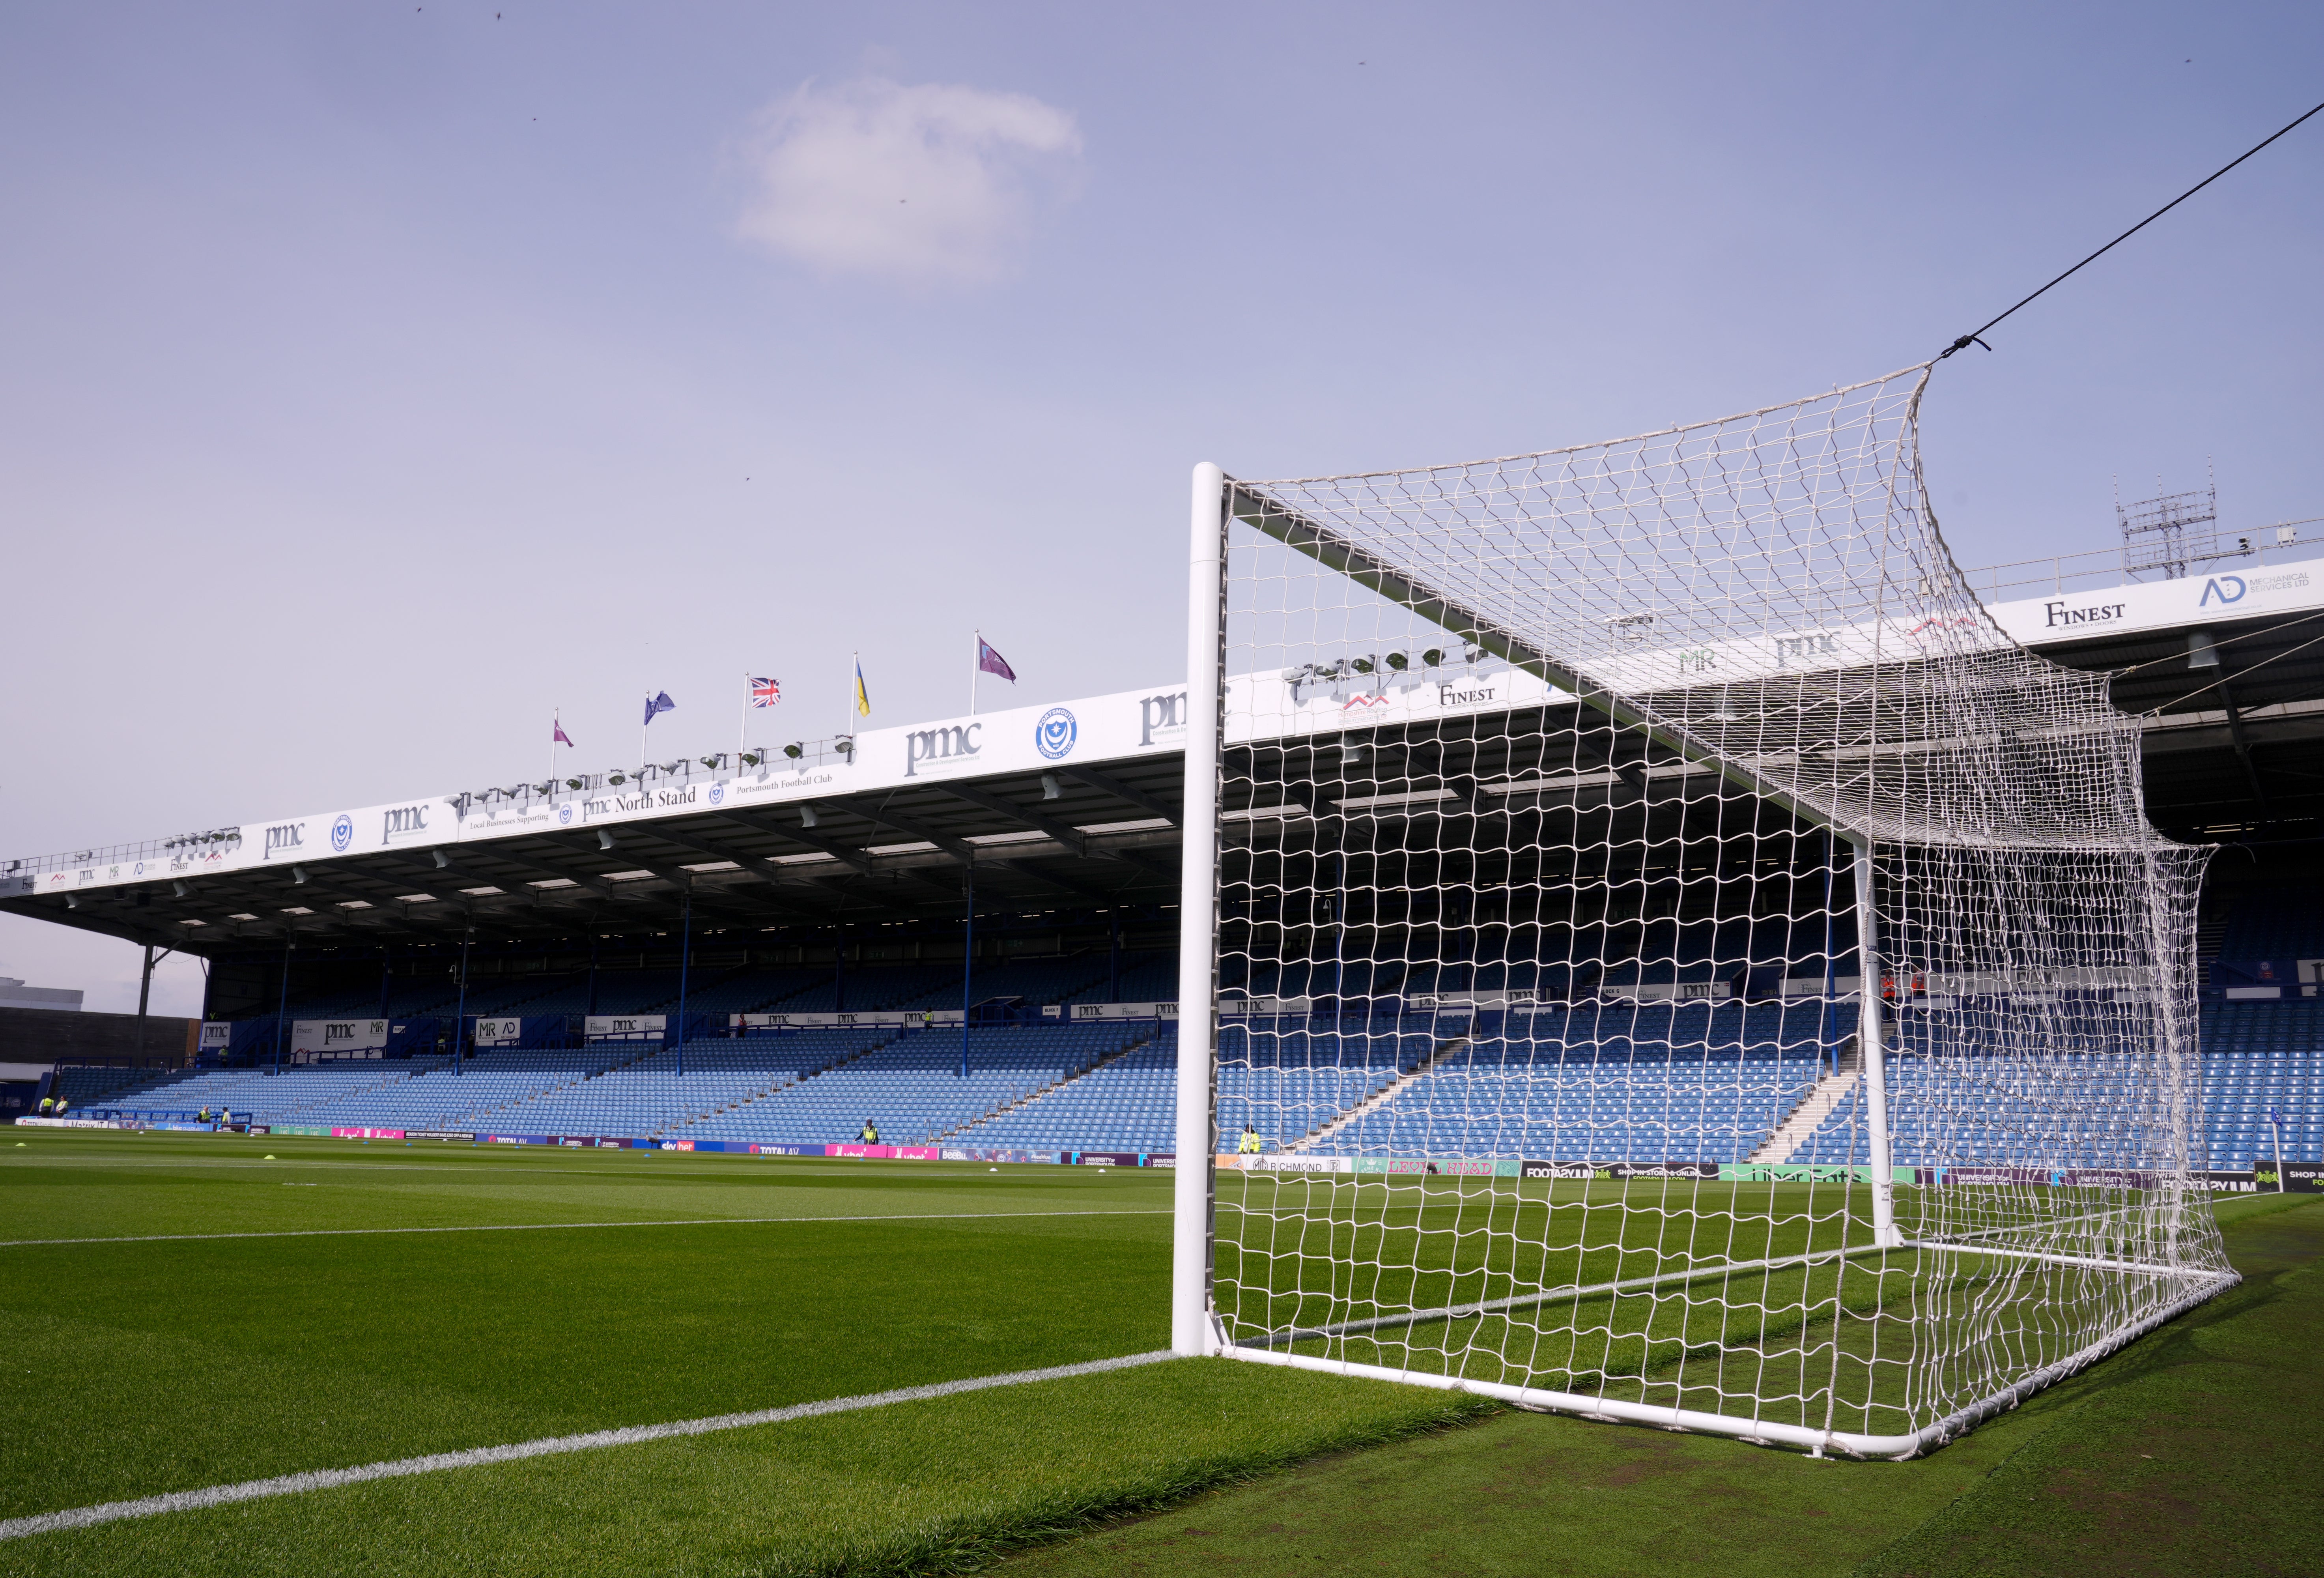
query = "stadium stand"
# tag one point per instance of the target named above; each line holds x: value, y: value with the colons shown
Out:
x: 1582, y: 1081
x: 912, y: 1088
x: 1680, y: 1082
x: 1127, y: 1103
x: 1149, y: 977
x: 2268, y: 931
x: 2258, y: 1057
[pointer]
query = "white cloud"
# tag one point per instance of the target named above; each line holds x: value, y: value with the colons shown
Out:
x: 924, y: 185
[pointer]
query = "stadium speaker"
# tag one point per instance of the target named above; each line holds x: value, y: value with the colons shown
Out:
x: 604, y: 839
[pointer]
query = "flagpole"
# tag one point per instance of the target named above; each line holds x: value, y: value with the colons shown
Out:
x: 642, y: 737
x: 743, y: 735
x: 975, y: 654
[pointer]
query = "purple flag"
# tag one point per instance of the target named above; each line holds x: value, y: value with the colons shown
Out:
x: 559, y: 737
x: 989, y: 661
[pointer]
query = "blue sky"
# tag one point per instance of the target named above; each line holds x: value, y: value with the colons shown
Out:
x: 374, y: 378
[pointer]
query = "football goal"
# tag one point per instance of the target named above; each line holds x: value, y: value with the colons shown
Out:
x: 1655, y: 949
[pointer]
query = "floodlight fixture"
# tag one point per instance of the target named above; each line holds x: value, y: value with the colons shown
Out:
x: 1051, y: 789
x: 299, y: 876
x: 807, y: 819
x: 604, y: 839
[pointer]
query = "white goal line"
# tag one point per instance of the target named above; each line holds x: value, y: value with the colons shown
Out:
x: 548, y: 1446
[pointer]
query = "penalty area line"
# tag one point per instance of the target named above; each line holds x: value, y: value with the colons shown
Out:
x: 173, y: 1238
x: 548, y: 1446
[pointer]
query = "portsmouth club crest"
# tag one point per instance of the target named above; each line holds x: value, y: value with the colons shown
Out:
x: 1054, y: 734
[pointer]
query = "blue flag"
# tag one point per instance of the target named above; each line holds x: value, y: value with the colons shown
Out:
x: 660, y: 703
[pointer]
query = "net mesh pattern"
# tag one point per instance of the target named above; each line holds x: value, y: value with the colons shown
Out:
x: 1548, y: 1054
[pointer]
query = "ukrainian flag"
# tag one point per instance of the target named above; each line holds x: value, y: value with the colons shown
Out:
x: 862, y: 696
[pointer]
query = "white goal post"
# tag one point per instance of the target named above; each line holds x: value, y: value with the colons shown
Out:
x: 1653, y: 948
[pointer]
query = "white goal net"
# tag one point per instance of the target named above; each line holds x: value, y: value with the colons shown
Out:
x: 1672, y: 957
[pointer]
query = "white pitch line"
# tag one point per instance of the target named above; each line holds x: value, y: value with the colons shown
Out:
x: 548, y: 1446
x: 1049, y: 1173
x: 173, y: 1238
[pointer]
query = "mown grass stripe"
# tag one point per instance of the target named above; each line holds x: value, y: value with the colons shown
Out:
x: 547, y: 1446
x: 165, y: 1238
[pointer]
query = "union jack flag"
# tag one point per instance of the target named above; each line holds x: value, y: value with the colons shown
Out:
x: 766, y: 692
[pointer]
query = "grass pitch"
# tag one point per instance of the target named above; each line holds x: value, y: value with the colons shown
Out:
x: 2184, y: 1454
x: 384, y: 1301
x: 399, y: 1300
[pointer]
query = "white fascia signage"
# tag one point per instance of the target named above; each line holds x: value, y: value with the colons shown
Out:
x: 407, y: 825
x: 498, y: 1032
x: 1126, y: 725
x: 826, y: 1020
x: 1151, y: 721
x: 1123, y: 1011
x: 1260, y: 1008
x: 214, y: 857
x: 506, y: 818
x: 217, y: 1035
x: 2254, y: 590
x: 1266, y: 707
x: 634, y: 1027
x: 328, y: 1037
